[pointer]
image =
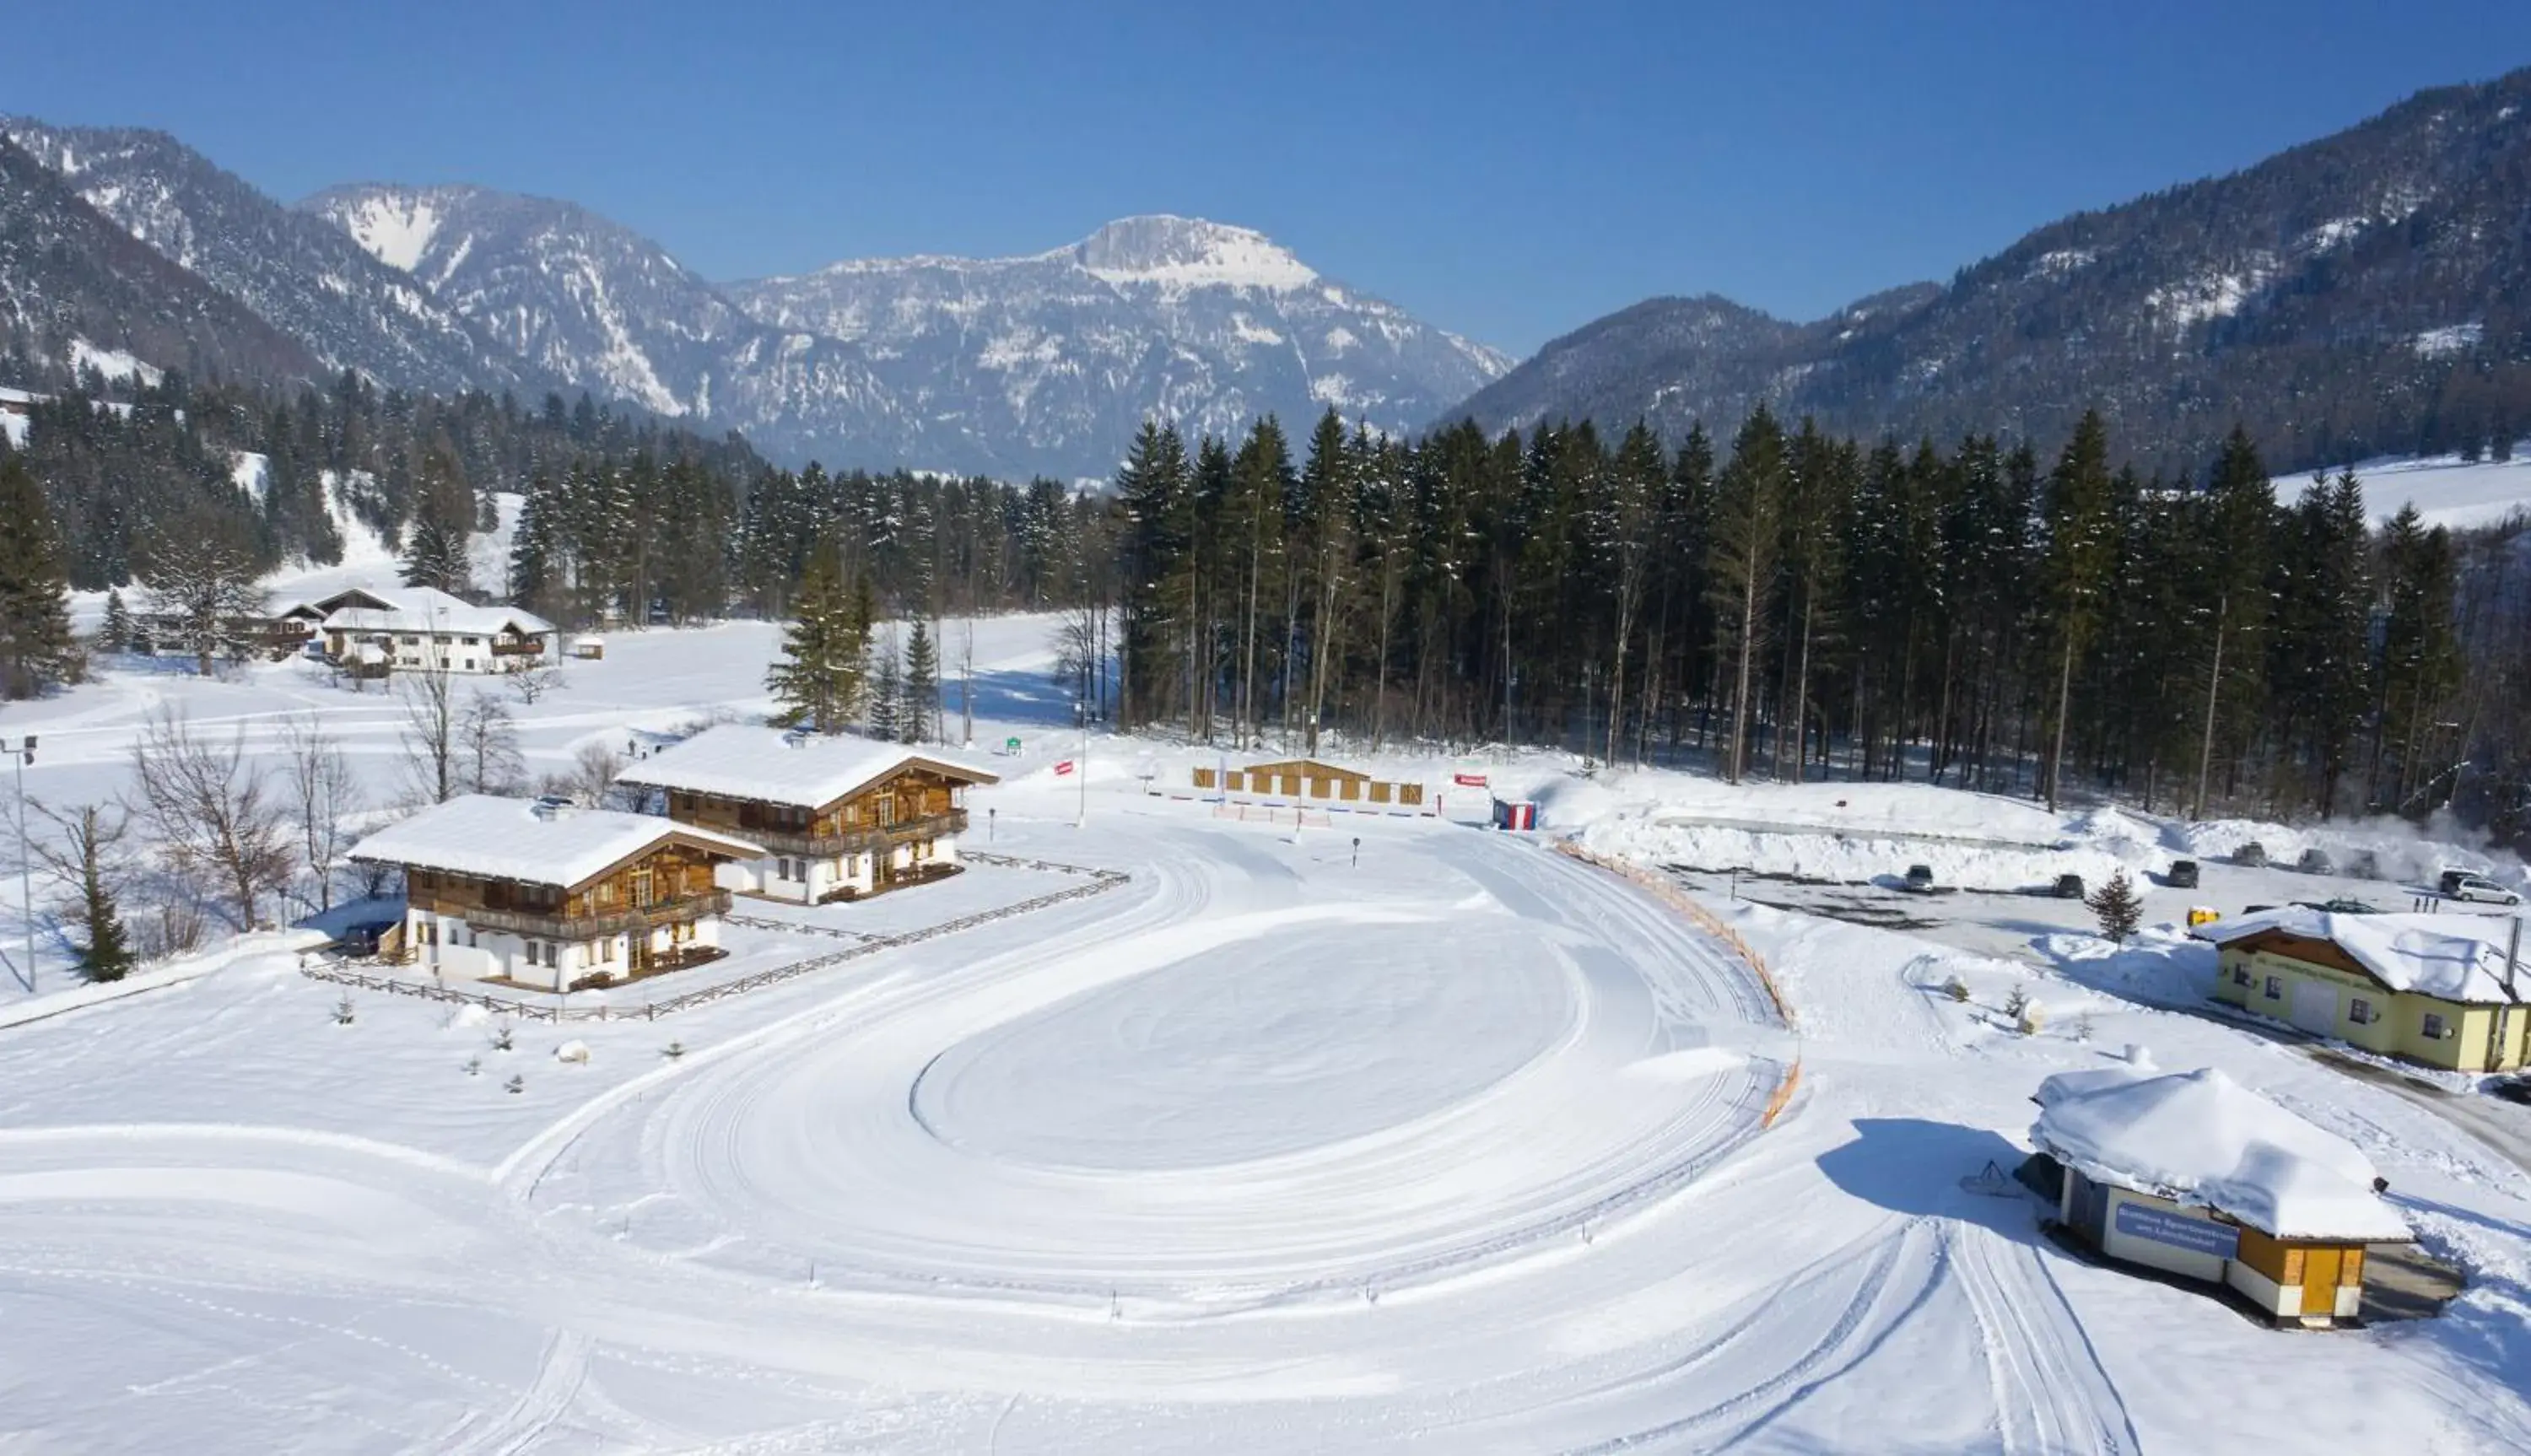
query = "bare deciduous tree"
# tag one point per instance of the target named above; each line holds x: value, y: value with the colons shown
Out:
x: 429, y: 735
x: 211, y: 814
x: 590, y: 780
x: 487, y: 742
x: 532, y: 683
x: 324, y: 795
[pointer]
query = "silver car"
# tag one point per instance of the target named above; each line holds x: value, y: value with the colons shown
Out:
x: 2479, y: 888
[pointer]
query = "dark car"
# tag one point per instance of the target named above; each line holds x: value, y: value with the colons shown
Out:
x: 2253, y: 854
x: 2316, y: 862
x: 2340, y: 906
x: 1919, y: 877
x: 360, y: 939
x: 2365, y: 866
x: 2068, y: 888
x: 2183, y: 874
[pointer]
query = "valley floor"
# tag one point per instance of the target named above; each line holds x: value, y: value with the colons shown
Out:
x: 1369, y: 1133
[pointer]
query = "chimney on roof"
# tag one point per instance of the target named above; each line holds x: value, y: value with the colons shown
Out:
x: 551, y: 806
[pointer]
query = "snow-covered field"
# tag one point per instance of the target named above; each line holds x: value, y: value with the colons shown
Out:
x: 2445, y: 489
x: 1373, y: 1134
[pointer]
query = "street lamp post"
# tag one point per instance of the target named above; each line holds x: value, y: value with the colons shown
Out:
x: 24, y: 752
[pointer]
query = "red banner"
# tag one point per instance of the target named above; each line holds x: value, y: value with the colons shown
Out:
x: 1063, y: 768
x: 1469, y: 780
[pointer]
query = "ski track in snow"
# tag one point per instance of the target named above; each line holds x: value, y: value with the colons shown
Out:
x: 1453, y: 1149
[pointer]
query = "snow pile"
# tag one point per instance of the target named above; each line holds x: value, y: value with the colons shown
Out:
x: 1847, y: 858
x: 2161, y: 965
x: 2201, y: 1138
x: 2401, y: 850
x: 2458, y: 958
x: 263, y: 950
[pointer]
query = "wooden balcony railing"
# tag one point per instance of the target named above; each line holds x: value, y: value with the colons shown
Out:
x: 866, y: 840
x: 554, y: 926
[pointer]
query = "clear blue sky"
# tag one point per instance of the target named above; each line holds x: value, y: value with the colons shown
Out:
x: 1507, y: 171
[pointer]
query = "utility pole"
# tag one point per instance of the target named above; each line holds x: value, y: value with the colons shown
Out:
x: 24, y: 752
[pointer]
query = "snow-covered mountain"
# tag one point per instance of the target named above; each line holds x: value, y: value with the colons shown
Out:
x: 1014, y: 367
x: 78, y: 293
x: 299, y: 276
x: 1048, y: 364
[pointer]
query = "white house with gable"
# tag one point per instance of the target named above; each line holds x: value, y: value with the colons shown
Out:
x: 421, y: 629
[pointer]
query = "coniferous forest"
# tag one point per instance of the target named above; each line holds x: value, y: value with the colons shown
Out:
x: 1778, y: 604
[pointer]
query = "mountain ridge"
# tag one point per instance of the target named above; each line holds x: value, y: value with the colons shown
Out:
x: 2365, y: 293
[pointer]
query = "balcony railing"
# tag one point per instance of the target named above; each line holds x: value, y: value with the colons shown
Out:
x: 867, y: 840
x: 557, y: 926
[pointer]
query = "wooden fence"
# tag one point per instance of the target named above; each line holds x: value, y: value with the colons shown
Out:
x: 559, y: 1008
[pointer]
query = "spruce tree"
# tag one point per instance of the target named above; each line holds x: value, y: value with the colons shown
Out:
x: 35, y: 645
x: 918, y: 721
x: 887, y: 694
x: 1748, y: 523
x: 2075, y: 572
x: 115, y: 635
x: 2117, y: 907
x: 815, y: 678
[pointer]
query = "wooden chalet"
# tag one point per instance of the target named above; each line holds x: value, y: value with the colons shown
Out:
x: 2442, y: 989
x: 543, y: 894
x: 838, y: 817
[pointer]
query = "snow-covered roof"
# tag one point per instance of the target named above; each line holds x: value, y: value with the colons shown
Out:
x: 2201, y: 1139
x: 769, y: 765
x: 495, y: 838
x: 420, y: 609
x: 2453, y: 957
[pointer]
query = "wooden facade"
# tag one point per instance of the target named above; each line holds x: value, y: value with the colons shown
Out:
x: 898, y: 830
x: 655, y: 911
x: 1308, y: 778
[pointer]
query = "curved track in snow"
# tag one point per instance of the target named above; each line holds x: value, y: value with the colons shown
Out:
x: 1228, y: 1094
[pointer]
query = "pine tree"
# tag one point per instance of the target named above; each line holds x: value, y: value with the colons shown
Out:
x: 35, y: 645
x: 115, y: 635
x: 817, y: 677
x: 1747, y: 517
x: 2117, y: 907
x: 919, y: 720
x: 84, y: 860
x: 2075, y: 572
x: 887, y: 694
x: 437, y: 545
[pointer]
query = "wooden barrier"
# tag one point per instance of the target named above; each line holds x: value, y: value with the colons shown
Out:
x: 1710, y: 923
x: 560, y: 1009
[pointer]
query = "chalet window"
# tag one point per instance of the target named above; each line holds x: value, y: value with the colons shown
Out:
x: 2360, y: 1011
x: 2275, y: 987
x: 2436, y: 1030
x: 413, y: 641
x: 474, y: 642
x: 2240, y: 976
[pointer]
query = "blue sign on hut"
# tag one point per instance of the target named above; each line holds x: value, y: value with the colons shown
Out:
x: 2195, y: 1175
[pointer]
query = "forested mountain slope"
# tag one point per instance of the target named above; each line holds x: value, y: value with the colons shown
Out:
x: 2364, y: 295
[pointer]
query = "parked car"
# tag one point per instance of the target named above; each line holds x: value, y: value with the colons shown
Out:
x: 2253, y: 854
x: 2182, y: 875
x: 2365, y: 866
x: 1919, y: 877
x: 2316, y: 862
x: 2461, y: 885
x: 360, y: 939
x: 2340, y: 906
x: 2514, y: 1089
x: 2068, y: 888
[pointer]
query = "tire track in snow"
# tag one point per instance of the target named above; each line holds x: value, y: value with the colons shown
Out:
x: 2051, y: 1392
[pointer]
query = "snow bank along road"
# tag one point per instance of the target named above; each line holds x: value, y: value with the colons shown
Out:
x: 1266, y: 1150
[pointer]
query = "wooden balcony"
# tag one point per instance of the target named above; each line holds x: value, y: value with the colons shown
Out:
x: 871, y: 840
x: 551, y: 925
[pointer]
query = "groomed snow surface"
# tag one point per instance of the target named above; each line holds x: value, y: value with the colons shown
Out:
x: 1435, y: 1142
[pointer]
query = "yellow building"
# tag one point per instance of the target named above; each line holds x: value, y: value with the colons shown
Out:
x: 2433, y: 988
x: 2194, y: 1175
